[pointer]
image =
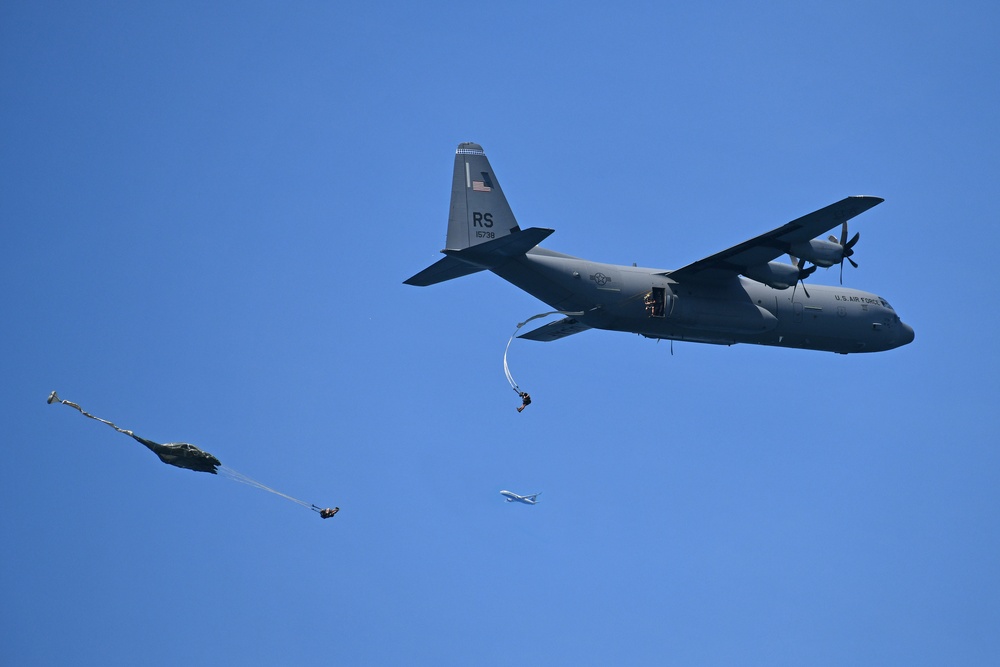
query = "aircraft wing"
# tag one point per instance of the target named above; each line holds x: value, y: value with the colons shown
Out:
x: 775, y: 243
x: 556, y: 330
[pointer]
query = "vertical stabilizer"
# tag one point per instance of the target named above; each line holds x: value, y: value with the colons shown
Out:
x: 479, y: 211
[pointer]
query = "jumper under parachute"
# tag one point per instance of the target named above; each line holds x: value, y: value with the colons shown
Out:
x: 186, y: 455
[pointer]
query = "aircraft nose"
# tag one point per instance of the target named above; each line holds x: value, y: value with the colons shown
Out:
x: 907, y: 336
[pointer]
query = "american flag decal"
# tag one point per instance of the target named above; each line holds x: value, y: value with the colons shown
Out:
x: 484, y: 185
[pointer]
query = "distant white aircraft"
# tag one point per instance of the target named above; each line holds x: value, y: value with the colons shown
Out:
x: 510, y: 496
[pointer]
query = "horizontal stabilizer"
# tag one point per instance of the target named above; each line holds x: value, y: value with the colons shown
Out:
x: 442, y: 270
x: 556, y: 330
x: 494, y: 253
x: 488, y: 255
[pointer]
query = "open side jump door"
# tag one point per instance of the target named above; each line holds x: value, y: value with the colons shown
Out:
x: 659, y: 303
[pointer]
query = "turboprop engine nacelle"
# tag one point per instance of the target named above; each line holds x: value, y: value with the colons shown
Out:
x: 774, y: 274
x: 819, y: 252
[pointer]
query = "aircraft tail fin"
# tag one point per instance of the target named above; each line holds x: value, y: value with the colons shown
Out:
x: 479, y: 211
x: 482, y: 231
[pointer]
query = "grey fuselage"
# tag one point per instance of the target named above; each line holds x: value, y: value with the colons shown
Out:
x: 739, y: 310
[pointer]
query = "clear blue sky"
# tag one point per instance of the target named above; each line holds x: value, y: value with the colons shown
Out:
x: 208, y: 213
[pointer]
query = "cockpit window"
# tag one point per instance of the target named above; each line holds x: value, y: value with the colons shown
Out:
x: 885, y: 304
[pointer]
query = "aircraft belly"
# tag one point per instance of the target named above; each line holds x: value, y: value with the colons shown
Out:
x: 731, y: 317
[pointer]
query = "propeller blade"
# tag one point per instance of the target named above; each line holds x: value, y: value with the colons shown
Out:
x: 803, y: 274
x: 846, y: 248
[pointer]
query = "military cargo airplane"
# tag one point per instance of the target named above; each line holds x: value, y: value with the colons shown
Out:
x: 510, y: 497
x: 739, y: 295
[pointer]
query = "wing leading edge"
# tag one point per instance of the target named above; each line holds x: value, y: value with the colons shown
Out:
x: 762, y: 249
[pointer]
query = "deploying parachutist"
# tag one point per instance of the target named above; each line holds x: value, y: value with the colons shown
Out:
x: 525, y: 399
x: 185, y: 455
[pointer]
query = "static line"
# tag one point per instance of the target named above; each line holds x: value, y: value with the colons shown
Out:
x: 506, y: 367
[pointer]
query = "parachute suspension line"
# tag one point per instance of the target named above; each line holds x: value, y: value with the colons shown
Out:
x: 506, y: 367
x: 249, y: 481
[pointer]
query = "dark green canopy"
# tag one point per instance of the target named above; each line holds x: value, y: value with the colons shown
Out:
x: 182, y: 455
x: 179, y: 454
